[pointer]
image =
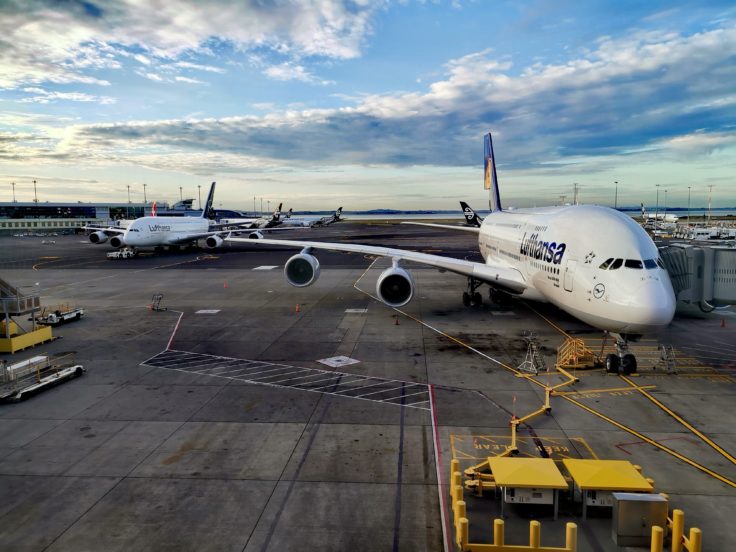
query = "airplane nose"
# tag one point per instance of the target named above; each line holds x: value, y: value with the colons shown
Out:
x: 653, y: 304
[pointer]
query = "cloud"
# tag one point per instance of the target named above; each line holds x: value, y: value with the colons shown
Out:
x: 44, y: 96
x: 64, y: 42
x: 189, y: 80
x: 639, y: 101
x: 290, y: 71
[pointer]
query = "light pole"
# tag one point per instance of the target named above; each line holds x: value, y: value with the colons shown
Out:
x: 261, y: 206
x: 14, y: 193
x: 615, y: 197
x: 710, y: 195
x: 128, y: 215
x: 35, y: 196
x: 254, y: 205
x: 268, y: 206
x: 688, y: 206
x: 664, y: 217
x: 574, y: 193
x: 181, y: 197
x: 145, y: 199
x: 656, y: 211
x: 199, y: 195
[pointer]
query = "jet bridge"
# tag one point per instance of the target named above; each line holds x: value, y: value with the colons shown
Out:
x: 702, y: 274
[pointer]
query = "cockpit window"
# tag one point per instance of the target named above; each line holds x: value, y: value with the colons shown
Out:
x: 616, y: 264
x: 606, y: 263
x: 650, y: 264
x: 660, y: 262
x: 633, y: 263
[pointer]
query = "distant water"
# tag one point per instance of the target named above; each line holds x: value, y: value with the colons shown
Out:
x: 447, y: 215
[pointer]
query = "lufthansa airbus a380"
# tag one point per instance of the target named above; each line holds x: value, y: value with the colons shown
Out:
x: 155, y: 231
x: 592, y: 262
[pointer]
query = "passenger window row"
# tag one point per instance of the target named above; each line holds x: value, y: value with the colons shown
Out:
x: 614, y: 264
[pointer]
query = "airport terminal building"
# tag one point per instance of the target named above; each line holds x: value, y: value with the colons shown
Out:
x: 18, y: 217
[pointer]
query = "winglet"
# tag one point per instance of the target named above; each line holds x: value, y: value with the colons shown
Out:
x: 153, y: 209
x: 208, y: 205
x: 471, y: 217
x: 489, y: 170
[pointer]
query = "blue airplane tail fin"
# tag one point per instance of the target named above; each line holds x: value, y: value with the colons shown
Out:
x: 207, y: 211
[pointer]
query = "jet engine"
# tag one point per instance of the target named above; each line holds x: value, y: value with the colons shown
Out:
x: 213, y: 241
x: 255, y: 235
x: 117, y: 241
x: 98, y: 237
x: 302, y: 270
x: 395, y: 286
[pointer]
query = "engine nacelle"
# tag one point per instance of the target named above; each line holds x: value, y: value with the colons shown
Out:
x: 395, y: 286
x: 117, y: 241
x: 98, y: 237
x: 302, y: 270
x: 213, y: 241
x: 256, y: 236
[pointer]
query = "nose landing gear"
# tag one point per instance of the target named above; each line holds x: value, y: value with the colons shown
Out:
x: 622, y: 361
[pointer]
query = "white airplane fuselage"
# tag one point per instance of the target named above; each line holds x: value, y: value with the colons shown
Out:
x: 156, y: 231
x: 560, y: 250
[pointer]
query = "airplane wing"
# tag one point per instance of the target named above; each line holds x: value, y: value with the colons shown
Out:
x: 473, y: 229
x: 106, y: 229
x: 501, y: 276
x: 223, y: 233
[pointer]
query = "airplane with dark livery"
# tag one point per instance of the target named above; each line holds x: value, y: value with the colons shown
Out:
x: 592, y: 262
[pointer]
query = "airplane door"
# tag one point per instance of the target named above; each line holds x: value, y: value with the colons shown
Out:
x: 570, y: 274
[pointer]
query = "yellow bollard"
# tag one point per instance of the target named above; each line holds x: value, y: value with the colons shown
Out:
x: 460, y: 514
x: 464, y: 532
x: 454, y: 466
x: 457, y: 478
x: 696, y: 539
x: 498, y: 532
x: 657, y: 539
x: 571, y: 537
x: 535, y: 536
x: 678, y: 529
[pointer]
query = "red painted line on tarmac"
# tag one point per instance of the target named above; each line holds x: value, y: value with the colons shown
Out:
x: 444, y: 512
x: 171, y: 339
x: 621, y: 446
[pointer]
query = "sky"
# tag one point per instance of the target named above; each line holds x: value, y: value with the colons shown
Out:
x: 368, y: 103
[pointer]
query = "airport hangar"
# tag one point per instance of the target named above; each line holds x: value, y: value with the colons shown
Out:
x: 148, y: 451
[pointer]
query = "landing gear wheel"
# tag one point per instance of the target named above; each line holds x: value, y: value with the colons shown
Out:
x: 612, y: 363
x: 628, y: 364
x: 466, y: 298
x: 477, y: 299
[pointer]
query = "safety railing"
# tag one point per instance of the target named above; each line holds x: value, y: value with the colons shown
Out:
x: 676, y: 524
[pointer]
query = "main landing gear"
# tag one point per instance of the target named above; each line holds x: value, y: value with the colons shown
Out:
x: 622, y: 361
x: 472, y: 296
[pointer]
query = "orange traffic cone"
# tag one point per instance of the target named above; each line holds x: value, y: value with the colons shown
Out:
x: 298, y: 308
x: 224, y: 285
x: 396, y: 321
x: 723, y: 322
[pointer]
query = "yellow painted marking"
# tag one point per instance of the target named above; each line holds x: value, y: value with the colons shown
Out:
x: 653, y: 442
x: 482, y: 445
x: 682, y: 420
x: 604, y: 390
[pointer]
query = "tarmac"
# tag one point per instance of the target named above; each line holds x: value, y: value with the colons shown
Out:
x: 213, y: 425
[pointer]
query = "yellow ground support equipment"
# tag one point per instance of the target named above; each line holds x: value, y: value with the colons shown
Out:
x: 14, y: 303
x: 527, y: 480
x: 597, y: 479
x: 573, y: 353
